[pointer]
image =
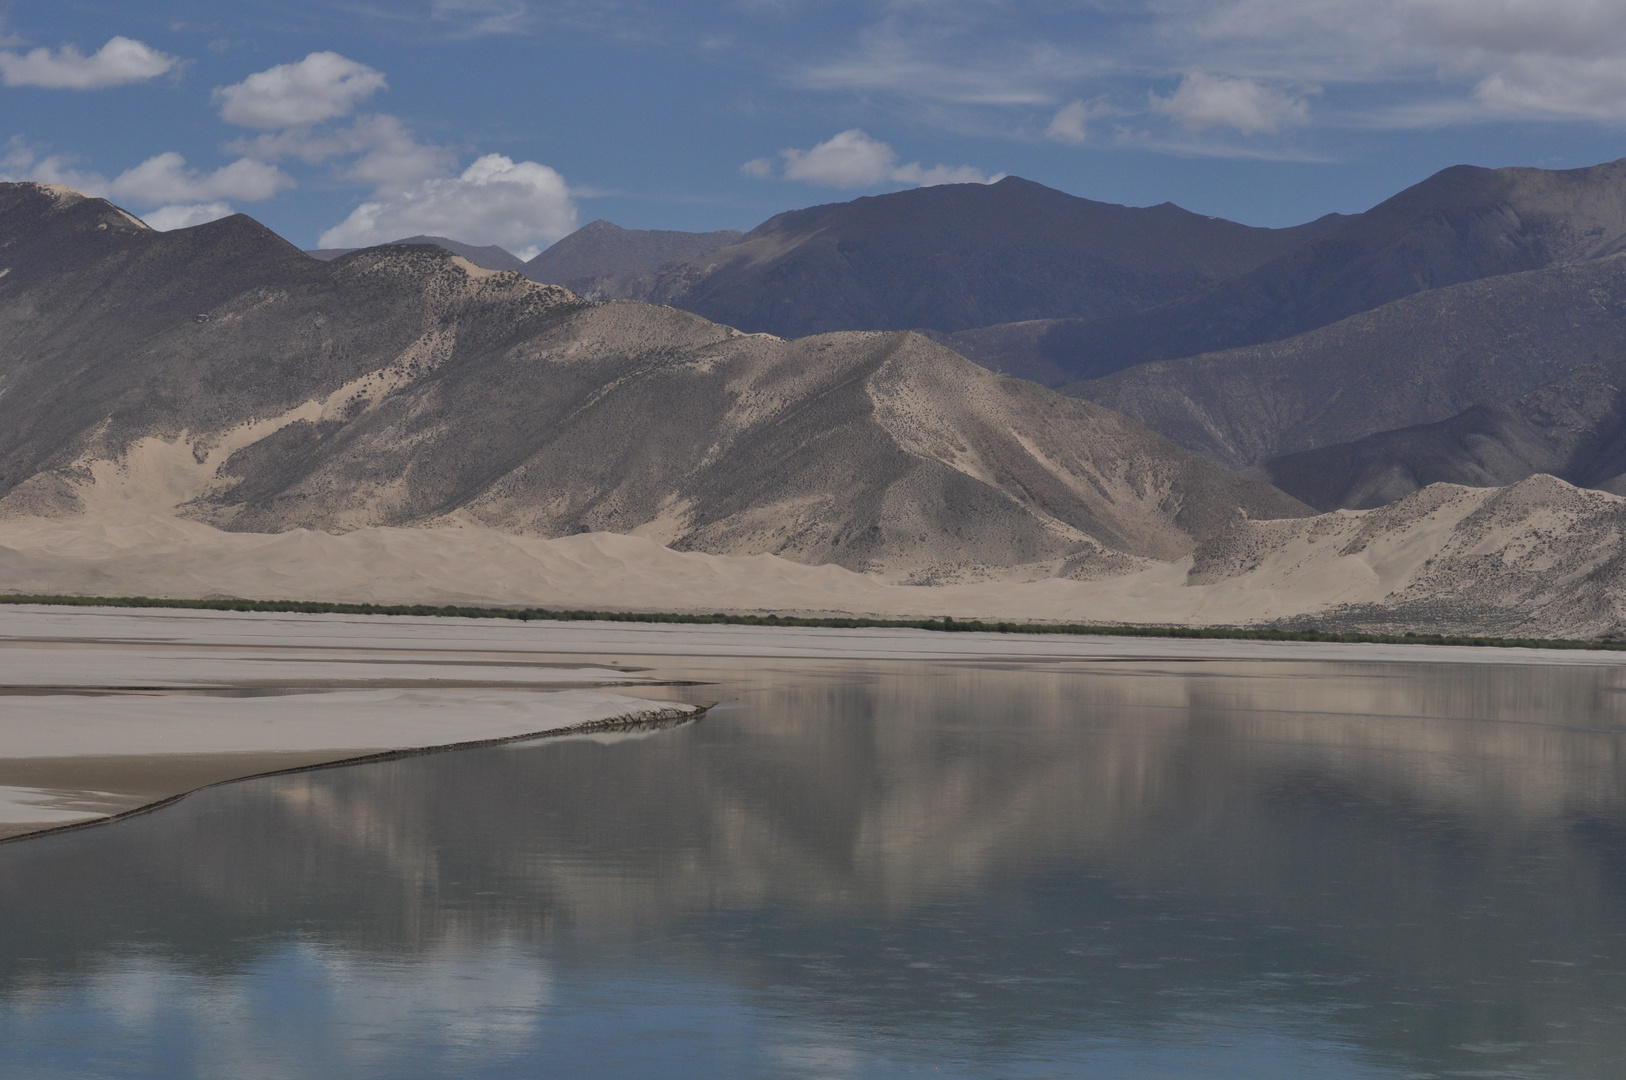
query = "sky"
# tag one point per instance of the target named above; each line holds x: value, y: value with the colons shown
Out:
x: 513, y: 122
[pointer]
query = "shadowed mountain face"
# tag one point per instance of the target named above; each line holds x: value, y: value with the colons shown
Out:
x: 1459, y: 225
x: 964, y: 255
x: 603, y: 261
x: 403, y: 386
x: 489, y: 257
x: 1573, y: 428
x: 1420, y: 360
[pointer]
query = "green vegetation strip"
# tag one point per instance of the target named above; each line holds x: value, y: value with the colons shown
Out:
x: 945, y: 624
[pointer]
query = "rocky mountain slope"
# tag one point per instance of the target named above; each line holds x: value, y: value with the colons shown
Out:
x: 603, y: 261
x: 958, y: 256
x: 1462, y: 224
x: 264, y: 390
x: 1420, y: 360
x: 1539, y: 557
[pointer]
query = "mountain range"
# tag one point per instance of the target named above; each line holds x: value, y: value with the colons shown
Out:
x: 803, y: 392
x: 1448, y: 304
x: 1464, y: 292
x: 403, y: 385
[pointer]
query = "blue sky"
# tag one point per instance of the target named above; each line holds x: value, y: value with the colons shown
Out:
x: 512, y: 121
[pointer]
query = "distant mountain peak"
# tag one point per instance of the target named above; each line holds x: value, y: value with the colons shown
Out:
x: 960, y: 256
x: 63, y: 194
x: 62, y: 199
x: 486, y: 257
x: 602, y: 257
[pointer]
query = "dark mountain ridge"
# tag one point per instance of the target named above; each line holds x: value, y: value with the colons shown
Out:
x: 1573, y: 428
x: 957, y: 256
x: 490, y: 256
x: 1462, y: 224
x: 1419, y: 360
x: 603, y: 261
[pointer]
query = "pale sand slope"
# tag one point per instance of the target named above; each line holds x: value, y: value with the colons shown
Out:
x: 1540, y: 558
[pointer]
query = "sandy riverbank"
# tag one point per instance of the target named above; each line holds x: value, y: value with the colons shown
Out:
x: 103, y: 715
x: 133, y: 554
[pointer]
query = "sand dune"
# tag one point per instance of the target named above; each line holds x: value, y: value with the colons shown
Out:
x: 1539, y: 558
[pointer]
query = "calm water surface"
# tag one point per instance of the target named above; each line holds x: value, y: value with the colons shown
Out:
x: 1250, y: 870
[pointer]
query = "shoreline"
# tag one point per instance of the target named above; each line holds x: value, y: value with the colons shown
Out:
x: 674, y: 715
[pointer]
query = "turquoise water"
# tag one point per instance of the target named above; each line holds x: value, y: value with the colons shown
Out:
x: 1124, y: 870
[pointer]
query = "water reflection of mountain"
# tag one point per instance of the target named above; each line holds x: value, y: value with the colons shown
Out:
x: 1425, y: 858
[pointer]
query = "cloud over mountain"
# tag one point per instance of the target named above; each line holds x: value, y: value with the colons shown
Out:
x: 169, y: 218
x: 496, y: 200
x: 165, y: 179
x: 1207, y: 101
x: 853, y: 159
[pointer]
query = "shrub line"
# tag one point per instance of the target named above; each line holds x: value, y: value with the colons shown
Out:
x: 946, y: 624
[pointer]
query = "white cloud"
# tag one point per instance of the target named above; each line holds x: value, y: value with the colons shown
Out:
x: 852, y: 159
x: 118, y: 62
x: 1245, y: 70
x: 166, y: 218
x: 494, y: 201
x: 384, y: 152
x: 1207, y: 101
x: 1067, y: 126
x: 519, y: 206
x: 477, y: 18
x: 165, y: 180
x: 323, y: 86
x: 1557, y: 87
x: 1475, y: 60
x: 915, y: 174
x: 390, y: 157
x: 1576, y: 28
x: 934, y: 63
x: 19, y: 162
